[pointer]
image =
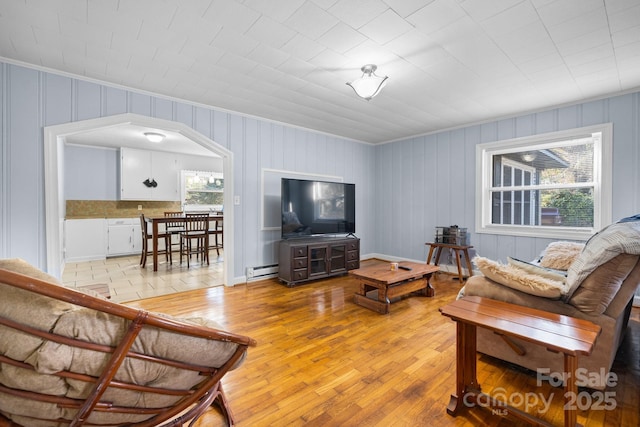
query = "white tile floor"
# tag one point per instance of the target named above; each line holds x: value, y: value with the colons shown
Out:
x: 127, y: 281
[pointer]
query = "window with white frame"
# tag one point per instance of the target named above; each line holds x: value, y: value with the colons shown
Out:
x: 555, y: 185
x: 202, y: 190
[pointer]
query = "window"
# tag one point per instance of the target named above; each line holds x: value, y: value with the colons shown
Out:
x: 202, y: 190
x: 514, y: 206
x: 555, y: 185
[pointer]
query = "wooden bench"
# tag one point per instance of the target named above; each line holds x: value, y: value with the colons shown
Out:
x: 570, y: 336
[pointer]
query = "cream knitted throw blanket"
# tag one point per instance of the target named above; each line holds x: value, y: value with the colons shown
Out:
x: 616, y: 239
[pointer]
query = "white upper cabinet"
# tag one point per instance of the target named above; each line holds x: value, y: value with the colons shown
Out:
x: 148, y: 175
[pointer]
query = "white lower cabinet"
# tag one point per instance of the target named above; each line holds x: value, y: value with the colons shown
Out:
x: 85, y: 239
x: 95, y: 239
x: 124, y: 236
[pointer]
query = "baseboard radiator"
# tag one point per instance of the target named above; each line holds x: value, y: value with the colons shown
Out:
x: 262, y: 272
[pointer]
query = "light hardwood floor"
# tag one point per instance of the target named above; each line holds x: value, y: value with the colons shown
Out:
x: 127, y: 281
x: 321, y: 360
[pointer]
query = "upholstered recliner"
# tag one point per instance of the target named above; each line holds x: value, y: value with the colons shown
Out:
x: 69, y: 358
x: 599, y: 286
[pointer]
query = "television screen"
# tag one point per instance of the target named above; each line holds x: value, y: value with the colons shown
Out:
x: 317, y: 207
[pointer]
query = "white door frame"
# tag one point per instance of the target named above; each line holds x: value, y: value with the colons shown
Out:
x: 54, y: 138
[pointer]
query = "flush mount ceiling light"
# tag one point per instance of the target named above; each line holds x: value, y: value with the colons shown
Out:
x: 370, y: 84
x: 154, y: 136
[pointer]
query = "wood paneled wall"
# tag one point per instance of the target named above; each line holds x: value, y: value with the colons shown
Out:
x: 430, y: 180
x: 404, y: 188
x: 32, y: 99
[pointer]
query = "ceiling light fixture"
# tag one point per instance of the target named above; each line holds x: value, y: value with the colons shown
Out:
x: 154, y: 136
x: 370, y: 84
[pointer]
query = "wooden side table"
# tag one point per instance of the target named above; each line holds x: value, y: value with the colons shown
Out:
x: 567, y: 335
x: 459, y: 251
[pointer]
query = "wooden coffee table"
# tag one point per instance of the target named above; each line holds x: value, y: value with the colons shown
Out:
x: 392, y: 283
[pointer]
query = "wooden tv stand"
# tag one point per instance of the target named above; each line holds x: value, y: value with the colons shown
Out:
x: 304, y: 259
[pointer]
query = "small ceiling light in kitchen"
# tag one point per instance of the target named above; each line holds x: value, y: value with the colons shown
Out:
x: 370, y: 84
x: 154, y: 136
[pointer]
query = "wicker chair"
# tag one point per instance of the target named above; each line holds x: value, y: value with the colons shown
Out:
x: 71, y: 358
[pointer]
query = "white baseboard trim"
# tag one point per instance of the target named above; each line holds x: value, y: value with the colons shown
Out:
x: 385, y: 257
x: 240, y: 280
x: 243, y: 280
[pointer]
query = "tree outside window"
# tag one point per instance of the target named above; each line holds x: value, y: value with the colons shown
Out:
x: 202, y: 190
x: 548, y: 186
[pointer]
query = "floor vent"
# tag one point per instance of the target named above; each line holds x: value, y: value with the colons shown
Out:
x: 262, y: 271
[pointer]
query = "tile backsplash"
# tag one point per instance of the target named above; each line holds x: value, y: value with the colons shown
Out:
x: 80, y: 209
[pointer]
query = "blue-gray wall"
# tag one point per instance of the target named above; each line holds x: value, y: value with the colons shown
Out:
x: 32, y: 99
x: 93, y: 173
x: 430, y: 180
x: 404, y: 189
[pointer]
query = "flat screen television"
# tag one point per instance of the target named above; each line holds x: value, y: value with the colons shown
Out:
x: 312, y: 208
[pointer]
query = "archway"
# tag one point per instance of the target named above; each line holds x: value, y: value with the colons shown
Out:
x: 54, y: 140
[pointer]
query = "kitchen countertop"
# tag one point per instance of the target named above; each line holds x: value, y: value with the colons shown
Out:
x: 89, y: 209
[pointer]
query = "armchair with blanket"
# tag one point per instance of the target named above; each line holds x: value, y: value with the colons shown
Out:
x: 71, y: 358
x: 598, y: 285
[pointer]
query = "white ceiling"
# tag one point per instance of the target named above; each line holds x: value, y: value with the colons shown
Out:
x: 132, y: 136
x: 449, y: 62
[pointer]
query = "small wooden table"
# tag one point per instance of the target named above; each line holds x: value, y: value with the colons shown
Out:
x: 156, y: 221
x: 458, y: 249
x: 391, y: 283
x: 558, y: 333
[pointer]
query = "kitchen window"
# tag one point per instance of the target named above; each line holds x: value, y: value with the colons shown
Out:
x: 202, y: 191
x: 555, y: 185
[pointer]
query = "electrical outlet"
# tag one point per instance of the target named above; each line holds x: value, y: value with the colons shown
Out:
x: 236, y: 200
x: 139, y: 207
x: 250, y: 272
